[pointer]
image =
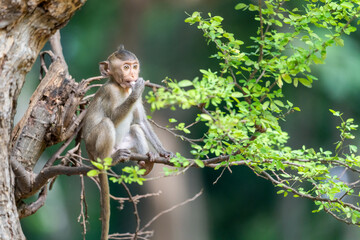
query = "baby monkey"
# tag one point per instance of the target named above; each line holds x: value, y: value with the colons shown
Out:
x: 116, y: 123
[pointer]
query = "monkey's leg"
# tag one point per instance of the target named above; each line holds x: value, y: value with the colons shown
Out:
x: 141, y: 146
x: 101, y: 140
x: 100, y: 146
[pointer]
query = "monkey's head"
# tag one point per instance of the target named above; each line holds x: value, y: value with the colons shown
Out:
x: 122, y: 66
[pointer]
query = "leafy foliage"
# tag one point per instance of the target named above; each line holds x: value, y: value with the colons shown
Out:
x: 242, y: 102
x: 130, y: 173
x: 134, y: 175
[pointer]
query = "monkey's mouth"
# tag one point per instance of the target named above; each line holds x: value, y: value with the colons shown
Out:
x: 129, y: 82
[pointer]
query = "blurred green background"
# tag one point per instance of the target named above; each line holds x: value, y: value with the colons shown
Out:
x: 240, y: 206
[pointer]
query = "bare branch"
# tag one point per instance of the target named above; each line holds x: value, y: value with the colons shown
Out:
x: 43, y: 68
x: 170, y: 209
x: 57, y: 49
x: 217, y: 179
x: 56, y: 155
x: 308, y: 196
x: 89, y: 80
x: 83, y: 216
x: 182, y: 137
x: 135, y: 198
x: 130, y: 236
x: 136, y: 213
x: 27, y: 210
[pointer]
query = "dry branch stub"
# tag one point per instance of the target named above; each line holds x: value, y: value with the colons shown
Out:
x: 51, y: 112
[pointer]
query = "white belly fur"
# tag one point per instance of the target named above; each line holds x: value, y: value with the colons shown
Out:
x: 123, y: 129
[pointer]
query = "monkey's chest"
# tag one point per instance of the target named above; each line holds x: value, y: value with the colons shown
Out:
x: 123, y: 128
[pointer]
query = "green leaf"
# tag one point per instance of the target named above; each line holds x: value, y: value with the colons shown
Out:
x: 339, y: 42
x: 218, y: 18
x: 92, y: 173
x: 185, y: 83
x: 347, y: 5
x: 338, y: 145
x: 141, y: 172
x: 206, y: 117
x: 279, y: 82
x: 353, y: 148
x: 187, y: 131
x: 265, y: 105
x: 199, y: 163
x: 128, y: 169
x: 240, y: 6
x: 237, y: 94
x: 296, y: 82
x: 279, y: 103
x: 97, y: 165
x: 253, y: 7
x: 286, y: 78
x: 107, y: 161
x: 317, y: 60
x: 115, y: 180
x: 335, y: 113
x: 305, y: 82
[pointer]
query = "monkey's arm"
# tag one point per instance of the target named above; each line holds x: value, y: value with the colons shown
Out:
x: 141, y: 119
x: 122, y: 111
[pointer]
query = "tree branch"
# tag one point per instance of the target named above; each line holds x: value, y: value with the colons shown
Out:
x: 26, y: 210
x: 170, y: 209
x: 57, y: 50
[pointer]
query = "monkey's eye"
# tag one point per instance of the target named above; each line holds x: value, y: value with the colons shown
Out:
x: 126, y: 67
x: 135, y: 66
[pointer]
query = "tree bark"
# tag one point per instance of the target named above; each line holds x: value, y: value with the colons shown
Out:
x: 25, y: 26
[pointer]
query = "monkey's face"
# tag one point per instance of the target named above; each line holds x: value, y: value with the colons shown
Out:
x: 125, y: 72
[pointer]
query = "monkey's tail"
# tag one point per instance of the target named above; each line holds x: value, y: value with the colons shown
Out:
x: 105, y: 205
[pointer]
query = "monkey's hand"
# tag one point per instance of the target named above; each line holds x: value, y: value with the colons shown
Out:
x: 120, y: 155
x: 137, y: 88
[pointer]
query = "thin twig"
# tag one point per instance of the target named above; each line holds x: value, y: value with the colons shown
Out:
x: 128, y: 236
x: 83, y: 207
x: 56, y: 155
x: 308, y: 196
x: 217, y: 179
x: 43, y: 67
x: 170, y: 209
x: 93, y: 86
x: 182, y: 137
x: 96, y: 78
x: 136, y: 212
x: 135, y: 198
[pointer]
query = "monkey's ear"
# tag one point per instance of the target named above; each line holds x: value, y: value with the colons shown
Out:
x: 104, y: 68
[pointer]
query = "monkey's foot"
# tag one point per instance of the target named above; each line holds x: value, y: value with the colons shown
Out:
x: 148, y: 164
x: 120, y: 155
x: 167, y: 154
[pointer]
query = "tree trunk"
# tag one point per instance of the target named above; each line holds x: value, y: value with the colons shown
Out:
x: 25, y: 26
